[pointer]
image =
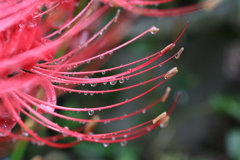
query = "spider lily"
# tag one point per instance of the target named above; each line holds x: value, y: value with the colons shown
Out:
x: 34, y: 71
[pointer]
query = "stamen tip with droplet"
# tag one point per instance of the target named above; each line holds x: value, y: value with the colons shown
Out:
x: 171, y: 73
x: 153, y: 30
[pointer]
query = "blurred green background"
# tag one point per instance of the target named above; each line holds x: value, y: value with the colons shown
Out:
x: 206, y: 123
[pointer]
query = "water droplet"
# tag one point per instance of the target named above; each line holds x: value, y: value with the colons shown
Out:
x: 69, y: 67
x: 127, y: 78
x: 75, y: 66
x: 91, y: 94
x: 125, y: 136
x: 101, y: 57
x: 113, y: 82
x: 110, y: 53
x: 105, y: 144
x: 144, y: 111
x: 91, y: 112
x: 40, y: 143
x: 121, y: 81
x: 103, y: 72
x: 25, y: 133
x: 93, y: 84
x: 88, y: 61
x: 14, y: 140
x: 154, y: 30
x: 113, y: 138
x: 123, y: 143
x: 104, y: 83
x: 79, y: 139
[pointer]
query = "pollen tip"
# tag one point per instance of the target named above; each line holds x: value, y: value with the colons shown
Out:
x: 154, y: 30
x: 117, y: 15
x: 171, y: 73
x: 178, y: 54
x: 209, y: 5
x: 166, y: 94
x: 163, y: 116
x: 92, y: 124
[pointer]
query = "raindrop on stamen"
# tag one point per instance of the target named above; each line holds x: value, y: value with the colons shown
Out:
x: 93, y: 84
x: 123, y: 143
x: 40, y: 143
x: 105, y: 144
x: 91, y: 112
x: 79, y: 139
x: 154, y: 30
x: 121, y: 81
x: 113, y: 82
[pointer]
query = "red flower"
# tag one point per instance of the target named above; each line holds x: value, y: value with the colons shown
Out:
x: 32, y: 33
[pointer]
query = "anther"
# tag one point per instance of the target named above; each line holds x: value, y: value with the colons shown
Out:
x: 171, y: 73
x: 209, y: 5
x: 178, y: 54
x: 91, y: 125
x: 154, y: 30
x: 166, y: 94
x: 117, y: 15
x: 163, y: 116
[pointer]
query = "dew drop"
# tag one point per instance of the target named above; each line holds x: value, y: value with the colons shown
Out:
x: 123, y: 143
x: 105, y: 144
x: 91, y: 94
x: 85, y: 93
x: 88, y: 61
x: 25, y: 134
x: 103, y: 72
x: 113, y: 82
x: 69, y: 67
x: 40, y: 143
x: 65, y: 134
x: 127, y: 78
x: 144, y: 111
x: 110, y: 53
x: 104, y: 83
x: 93, y: 84
x: 121, y: 81
x: 91, y: 112
x: 14, y: 140
x: 79, y: 139
x: 101, y: 57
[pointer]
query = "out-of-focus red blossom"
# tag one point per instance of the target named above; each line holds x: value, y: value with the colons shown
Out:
x: 33, y: 32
